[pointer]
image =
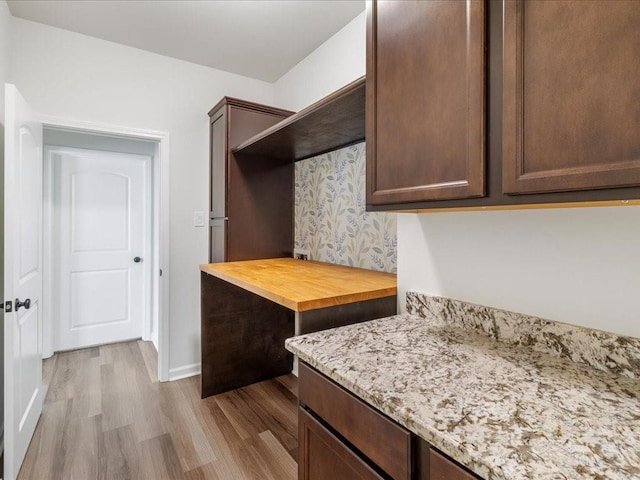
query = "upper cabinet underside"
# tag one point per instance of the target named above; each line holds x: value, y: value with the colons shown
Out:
x: 334, y: 122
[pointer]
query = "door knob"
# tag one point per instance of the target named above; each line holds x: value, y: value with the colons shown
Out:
x: 137, y: 259
x: 26, y: 304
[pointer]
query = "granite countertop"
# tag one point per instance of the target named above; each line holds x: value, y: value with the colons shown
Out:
x: 505, y: 411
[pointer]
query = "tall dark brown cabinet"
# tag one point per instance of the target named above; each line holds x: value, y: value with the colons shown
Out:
x: 251, y: 205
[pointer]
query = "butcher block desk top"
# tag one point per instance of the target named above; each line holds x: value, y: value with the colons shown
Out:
x: 303, y: 285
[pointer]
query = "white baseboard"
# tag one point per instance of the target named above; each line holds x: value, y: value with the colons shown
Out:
x: 184, y: 372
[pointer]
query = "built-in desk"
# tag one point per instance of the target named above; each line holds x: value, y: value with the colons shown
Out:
x: 249, y: 308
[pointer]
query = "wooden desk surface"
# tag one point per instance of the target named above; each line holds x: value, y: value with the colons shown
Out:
x: 303, y: 285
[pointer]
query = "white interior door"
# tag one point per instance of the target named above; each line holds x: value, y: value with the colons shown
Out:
x: 100, y: 234
x: 22, y: 279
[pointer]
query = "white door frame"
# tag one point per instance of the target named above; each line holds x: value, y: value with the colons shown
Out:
x: 160, y: 231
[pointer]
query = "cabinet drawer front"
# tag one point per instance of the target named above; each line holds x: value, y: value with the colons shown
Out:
x: 387, y: 444
x: 323, y: 456
x: 441, y: 468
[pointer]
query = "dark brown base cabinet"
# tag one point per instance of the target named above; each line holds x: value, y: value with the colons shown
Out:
x: 324, y: 456
x: 342, y: 438
x: 442, y: 468
x: 549, y: 113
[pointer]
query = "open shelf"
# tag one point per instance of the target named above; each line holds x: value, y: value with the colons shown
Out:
x: 334, y: 122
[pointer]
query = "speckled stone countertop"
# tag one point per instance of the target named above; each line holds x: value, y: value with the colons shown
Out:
x: 505, y: 411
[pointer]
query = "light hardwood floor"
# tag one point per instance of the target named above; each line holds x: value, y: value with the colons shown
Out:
x: 107, y: 417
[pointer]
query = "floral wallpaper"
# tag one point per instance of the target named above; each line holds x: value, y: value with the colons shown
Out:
x: 330, y: 217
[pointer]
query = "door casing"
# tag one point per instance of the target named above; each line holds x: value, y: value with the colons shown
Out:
x: 160, y: 233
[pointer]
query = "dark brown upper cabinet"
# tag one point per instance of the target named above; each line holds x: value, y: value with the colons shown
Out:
x: 559, y: 111
x: 571, y: 95
x: 425, y: 101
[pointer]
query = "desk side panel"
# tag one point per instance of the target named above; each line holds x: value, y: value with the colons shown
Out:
x: 242, y: 337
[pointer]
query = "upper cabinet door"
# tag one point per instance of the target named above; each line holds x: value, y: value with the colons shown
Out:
x: 425, y: 100
x: 571, y: 95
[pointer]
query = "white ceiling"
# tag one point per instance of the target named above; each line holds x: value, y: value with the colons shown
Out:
x: 261, y: 39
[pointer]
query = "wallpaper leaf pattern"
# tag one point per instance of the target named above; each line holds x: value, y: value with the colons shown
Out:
x: 330, y: 217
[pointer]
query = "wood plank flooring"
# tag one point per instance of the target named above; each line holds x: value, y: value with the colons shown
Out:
x: 107, y: 417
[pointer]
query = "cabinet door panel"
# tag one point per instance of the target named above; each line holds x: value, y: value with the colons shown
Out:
x: 425, y: 101
x: 362, y: 426
x: 441, y: 468
x: 571, y: 95
x: 324, y: 457
x: 218, y: 169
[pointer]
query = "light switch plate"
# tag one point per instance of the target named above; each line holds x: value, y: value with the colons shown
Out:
x: 198, y: 219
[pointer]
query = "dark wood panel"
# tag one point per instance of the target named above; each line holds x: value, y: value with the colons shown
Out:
x: 324, y: 457
x: 365, y: 428
x: 242, y: 337
x: 260, y: 223
x: 218, y: 186
x: 443, y: 468
x: 245, y: 122
x: 334, y: 122
x: 421, y: 458
x: 260, y: 199
x: 218, y: 163
x: 258, y: 107
x: 495, y: 196
x: 571, y: 95
x: 425, y: 101
x: 347, y: 314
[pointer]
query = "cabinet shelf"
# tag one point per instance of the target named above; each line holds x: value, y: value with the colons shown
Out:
x: 336, y: 121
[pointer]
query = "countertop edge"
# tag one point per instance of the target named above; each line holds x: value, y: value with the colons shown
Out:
x: 250, y: 287
x: 308, y: 304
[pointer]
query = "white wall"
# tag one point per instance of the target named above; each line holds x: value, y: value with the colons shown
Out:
x: 335, y: 63
x: 579, y: 266
x: 68, y: 75
x: 5, y: 38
